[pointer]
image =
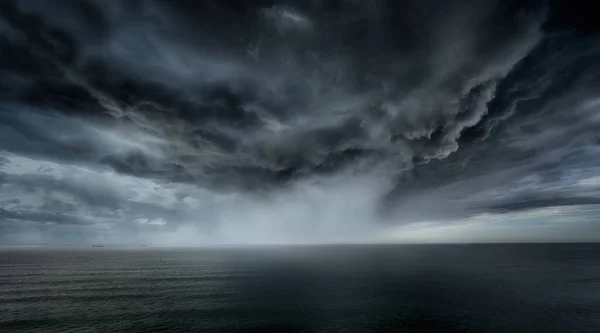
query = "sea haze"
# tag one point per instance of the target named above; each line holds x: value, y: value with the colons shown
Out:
x: 371, y: 288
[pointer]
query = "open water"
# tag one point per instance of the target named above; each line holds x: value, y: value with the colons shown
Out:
x: 371, y: 288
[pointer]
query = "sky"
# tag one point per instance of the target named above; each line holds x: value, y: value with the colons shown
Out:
x: 298, y: 122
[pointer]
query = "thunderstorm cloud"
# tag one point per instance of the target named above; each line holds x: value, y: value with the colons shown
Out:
x: 235, y: 122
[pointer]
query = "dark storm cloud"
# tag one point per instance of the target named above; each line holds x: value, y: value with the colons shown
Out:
x: 189, y: 110
x: 531, y: 202
x: 242, y: 98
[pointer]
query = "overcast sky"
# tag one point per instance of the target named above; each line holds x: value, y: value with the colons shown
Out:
x: 243, y: 122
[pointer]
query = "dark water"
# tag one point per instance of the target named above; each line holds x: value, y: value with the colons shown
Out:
x: 425, y: 288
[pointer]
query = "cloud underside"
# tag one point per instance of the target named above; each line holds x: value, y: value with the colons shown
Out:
x: 293, y: 122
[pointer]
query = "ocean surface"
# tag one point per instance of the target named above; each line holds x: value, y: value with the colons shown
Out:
x: 396, y: 288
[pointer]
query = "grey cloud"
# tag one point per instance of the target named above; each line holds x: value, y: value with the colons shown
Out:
x: 398, y: 121
x: 209, y: 111
x: 90, y: 194
x: 44, y: 217
x: 48, y: 192
x: 48, y: 134
x: 542, y: 201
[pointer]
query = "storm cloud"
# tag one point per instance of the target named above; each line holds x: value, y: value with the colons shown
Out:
x: 215, y: 122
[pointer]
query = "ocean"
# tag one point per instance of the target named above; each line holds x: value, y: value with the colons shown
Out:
x: 338, y: 288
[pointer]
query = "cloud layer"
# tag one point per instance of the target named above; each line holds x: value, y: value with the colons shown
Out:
x: 294, y: 121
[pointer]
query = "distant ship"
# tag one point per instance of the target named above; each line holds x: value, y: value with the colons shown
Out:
x: 97, y: 245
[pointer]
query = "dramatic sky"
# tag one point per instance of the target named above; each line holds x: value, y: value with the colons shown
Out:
x: 308, y: 121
